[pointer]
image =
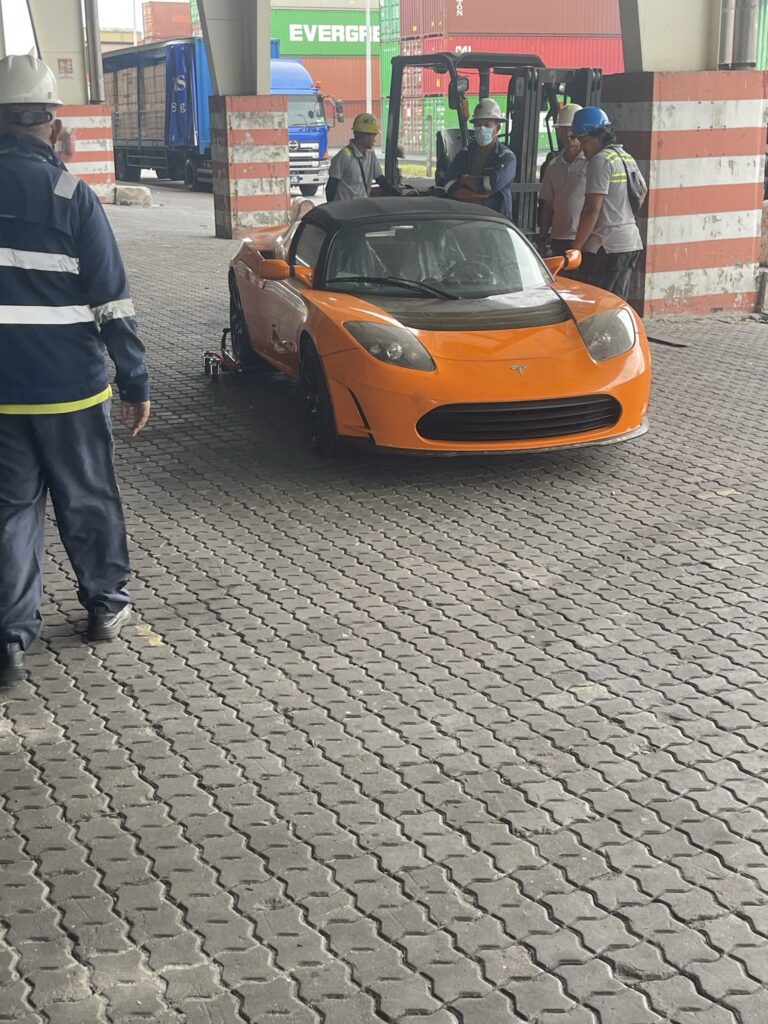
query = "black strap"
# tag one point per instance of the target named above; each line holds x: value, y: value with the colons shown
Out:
x: 359, y: 160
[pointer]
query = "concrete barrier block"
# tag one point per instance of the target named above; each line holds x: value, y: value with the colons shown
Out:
x: 132, y: 195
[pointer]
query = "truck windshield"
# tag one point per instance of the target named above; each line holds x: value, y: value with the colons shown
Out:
x: 304, y: 110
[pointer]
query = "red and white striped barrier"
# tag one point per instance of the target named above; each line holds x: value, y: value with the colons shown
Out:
x: 699, y: 138
x: 249, y: 148
x: 86, y: 147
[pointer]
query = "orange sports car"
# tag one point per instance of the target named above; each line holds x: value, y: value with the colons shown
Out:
x: 431, y: 326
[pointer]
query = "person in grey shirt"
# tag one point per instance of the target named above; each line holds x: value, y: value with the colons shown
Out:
x: 562, y: 189
x: 356, y: 167
x: 607, y: 233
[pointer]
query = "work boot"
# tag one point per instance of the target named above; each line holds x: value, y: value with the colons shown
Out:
x: 12, y: 668
x: 106, y: 625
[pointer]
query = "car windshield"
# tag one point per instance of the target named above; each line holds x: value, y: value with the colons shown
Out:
x: 305, y: 110
x: 470, y: 258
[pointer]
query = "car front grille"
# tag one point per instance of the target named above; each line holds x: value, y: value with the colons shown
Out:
x: 520, y: 421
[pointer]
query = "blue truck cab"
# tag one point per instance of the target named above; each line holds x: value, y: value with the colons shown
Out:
x: 159, y: 97
x: 307, y: 125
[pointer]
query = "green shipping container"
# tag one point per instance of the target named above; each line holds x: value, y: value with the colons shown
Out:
x: 324, y: 33
x: 762, y: 36
x: 389, y: 20
x: 387, y: 51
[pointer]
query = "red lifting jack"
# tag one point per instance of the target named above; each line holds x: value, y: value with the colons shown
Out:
x: 223, y: 361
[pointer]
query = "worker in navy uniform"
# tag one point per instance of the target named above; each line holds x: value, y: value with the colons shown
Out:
x: 64, y: 304
x: 485, y: 170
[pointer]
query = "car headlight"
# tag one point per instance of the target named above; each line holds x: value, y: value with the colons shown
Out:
x: 391, y: 344
x: 608, y: 334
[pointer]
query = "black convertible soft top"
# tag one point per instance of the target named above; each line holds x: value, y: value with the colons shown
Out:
x: 347, y: 212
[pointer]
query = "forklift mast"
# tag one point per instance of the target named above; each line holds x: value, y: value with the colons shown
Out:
x: 532, y: 91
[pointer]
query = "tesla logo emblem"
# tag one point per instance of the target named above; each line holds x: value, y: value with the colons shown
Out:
x: 518, y: 368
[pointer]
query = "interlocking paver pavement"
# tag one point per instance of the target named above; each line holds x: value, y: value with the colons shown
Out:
x: 426, y: 742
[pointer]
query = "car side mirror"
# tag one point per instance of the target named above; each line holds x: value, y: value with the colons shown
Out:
x: 570, y: 261
x: 304, y: 274
x: 274, y: 270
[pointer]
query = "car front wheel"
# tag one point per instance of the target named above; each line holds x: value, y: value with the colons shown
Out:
x: 319, y: 422
x: 238, y: 333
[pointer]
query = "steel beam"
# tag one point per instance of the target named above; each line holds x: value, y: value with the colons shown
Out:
x: 60, y: 41
x: 237, y: 34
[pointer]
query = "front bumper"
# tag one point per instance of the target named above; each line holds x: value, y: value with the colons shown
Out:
x: 383, y: 404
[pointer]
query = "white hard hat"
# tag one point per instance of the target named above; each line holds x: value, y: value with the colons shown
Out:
x: 24, y: 78
x: 565, y: 117
x: 488, y: 109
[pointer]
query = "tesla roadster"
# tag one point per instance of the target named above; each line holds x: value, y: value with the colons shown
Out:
x: 431, y: 326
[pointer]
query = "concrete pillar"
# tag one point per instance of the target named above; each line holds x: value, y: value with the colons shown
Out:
x: 699, y: 139
x: 249, y: 128
x: 670, y: 35
x: 60, y: 40
x: 249, y: 149
x: 85, y: 146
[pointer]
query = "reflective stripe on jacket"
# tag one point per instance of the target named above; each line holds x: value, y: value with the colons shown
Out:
x: 64, y: 296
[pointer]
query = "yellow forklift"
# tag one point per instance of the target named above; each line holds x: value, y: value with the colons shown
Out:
x: 530, y: 94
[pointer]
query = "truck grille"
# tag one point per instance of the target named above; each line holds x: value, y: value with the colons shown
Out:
x: 520, y: 421
x: 304, y: 154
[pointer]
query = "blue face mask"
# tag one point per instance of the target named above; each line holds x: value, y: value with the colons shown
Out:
x: 483, y: 135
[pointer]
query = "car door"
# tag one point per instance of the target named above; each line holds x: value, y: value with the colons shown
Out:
x: 285, y: 311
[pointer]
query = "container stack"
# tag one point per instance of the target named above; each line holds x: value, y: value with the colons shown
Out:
x: 580, y: 33
x: 330, y: 41
x: 389, y: 20
x: 163, y: 20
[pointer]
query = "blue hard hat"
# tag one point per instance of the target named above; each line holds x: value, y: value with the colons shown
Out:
x: 586, y: 120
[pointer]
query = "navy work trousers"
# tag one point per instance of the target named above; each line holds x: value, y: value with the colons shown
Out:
x: 610, y: 270
x: 68, y: 455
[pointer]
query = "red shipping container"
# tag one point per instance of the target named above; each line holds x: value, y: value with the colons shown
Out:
x: 166, y: 20
x: 410, y: 19
x: 605, y: 52
x: 522, y: 17
x: 340, y: 134
x: 413, y: 77
x: 432, y: 14
x: 343, y: 78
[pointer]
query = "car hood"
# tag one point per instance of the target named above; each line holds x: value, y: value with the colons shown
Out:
x: 536, y: 307
x: 536, y: 324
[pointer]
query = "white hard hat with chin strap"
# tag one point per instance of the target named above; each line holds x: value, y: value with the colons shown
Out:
x: 487, y: 110
x: 27, y: 81
x: 566, y: 115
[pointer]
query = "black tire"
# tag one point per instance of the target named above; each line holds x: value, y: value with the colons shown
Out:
x: 190, y: 176
x: 238, y: 334
x: 308, y: 190
x: 123, y: 172
x: 317, y: 406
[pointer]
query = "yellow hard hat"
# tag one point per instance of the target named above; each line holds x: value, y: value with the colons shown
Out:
x: 367, y: 124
